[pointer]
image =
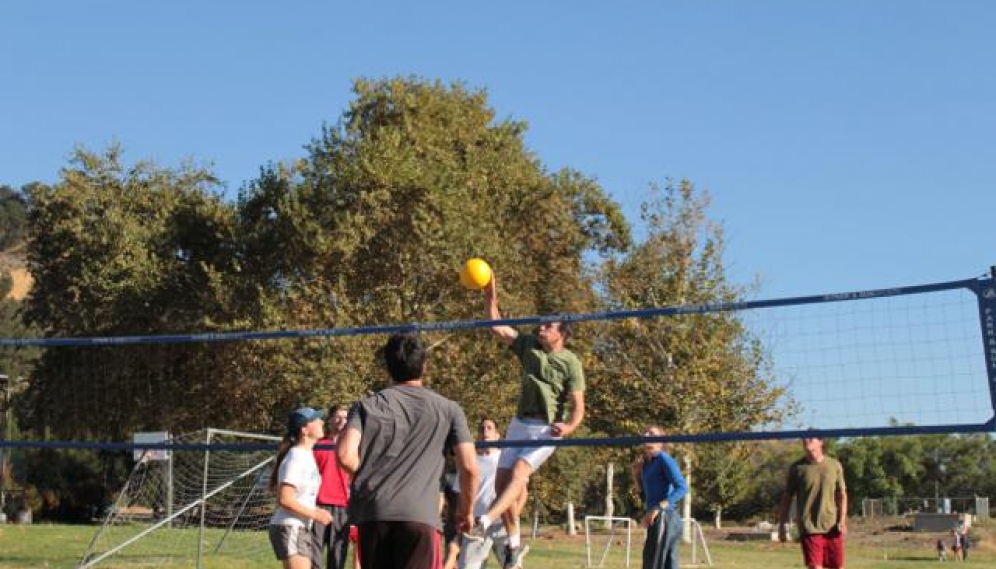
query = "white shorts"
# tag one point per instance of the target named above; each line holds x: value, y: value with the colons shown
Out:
x: 526, y: 430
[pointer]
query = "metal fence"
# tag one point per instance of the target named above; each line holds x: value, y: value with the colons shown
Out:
x: 879, y: 507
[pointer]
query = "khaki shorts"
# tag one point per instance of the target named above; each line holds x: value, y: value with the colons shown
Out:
x: 474, y: 554
x: 288, y: 541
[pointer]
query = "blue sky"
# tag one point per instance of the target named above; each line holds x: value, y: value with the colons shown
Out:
x: 847, y: 145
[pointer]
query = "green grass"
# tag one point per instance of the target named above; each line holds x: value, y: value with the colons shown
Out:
x: 60, y: 546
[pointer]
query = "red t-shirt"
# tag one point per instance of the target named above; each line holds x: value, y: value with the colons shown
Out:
x: 335, y: 483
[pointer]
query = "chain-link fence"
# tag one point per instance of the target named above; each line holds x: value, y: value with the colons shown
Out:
x: 879, y: 507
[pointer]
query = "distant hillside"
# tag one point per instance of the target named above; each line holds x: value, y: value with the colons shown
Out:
x: 12, y: 261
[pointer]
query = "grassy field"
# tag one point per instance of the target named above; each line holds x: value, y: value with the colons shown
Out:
x: 869, y: 547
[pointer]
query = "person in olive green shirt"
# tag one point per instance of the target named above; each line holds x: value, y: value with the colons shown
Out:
x: 551, y: 406
x: 817, y: 482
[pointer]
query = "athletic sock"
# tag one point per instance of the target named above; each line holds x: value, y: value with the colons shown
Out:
x: 514, y: 540
x: 485, y: 521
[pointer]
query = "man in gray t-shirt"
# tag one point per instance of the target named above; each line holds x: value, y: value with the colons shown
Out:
x: 394, y: 445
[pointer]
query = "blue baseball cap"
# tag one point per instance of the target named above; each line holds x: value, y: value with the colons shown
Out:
x: 302, y: 416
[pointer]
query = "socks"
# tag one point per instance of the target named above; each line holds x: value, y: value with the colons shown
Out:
x: 485, y: 521
x: 514, y: 540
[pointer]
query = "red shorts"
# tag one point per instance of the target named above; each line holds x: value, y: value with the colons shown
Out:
x: 823, y: 550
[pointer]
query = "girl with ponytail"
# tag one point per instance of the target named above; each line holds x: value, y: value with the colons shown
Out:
x: 295, y: 480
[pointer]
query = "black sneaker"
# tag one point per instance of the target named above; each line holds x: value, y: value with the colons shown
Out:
x: 514, y: 555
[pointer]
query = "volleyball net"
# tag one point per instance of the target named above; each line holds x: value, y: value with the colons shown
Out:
x: 899, y: 361
x: 902, y: 360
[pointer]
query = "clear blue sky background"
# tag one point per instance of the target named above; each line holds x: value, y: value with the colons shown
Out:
x: 847, y: 144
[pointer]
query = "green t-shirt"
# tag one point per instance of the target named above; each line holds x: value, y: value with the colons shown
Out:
x: 547, y: 379
x: 814, y: 485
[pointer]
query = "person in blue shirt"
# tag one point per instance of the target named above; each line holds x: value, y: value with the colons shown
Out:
x: 662, y: 486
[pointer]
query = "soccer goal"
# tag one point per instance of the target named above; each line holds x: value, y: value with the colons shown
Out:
x: 617, y: 527
x: 181, y: 505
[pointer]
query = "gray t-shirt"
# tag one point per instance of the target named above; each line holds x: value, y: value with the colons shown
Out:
x: 405, y: 432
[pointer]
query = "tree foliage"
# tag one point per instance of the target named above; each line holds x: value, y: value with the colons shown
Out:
x: 370, y: 228
x: 119, y: 250
x: 696, y: 373
x: 13, y: 217
x: 919, y: 466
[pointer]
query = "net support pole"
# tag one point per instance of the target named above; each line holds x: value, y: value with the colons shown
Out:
x: 986, y: 292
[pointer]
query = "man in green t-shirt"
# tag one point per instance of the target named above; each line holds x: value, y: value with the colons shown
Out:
x: 817, y: 482
x: 551, y: 406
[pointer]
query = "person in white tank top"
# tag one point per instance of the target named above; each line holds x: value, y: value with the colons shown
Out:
x: 473, y: 554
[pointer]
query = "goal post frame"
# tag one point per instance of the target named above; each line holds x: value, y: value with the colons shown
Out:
x: 206, y: 492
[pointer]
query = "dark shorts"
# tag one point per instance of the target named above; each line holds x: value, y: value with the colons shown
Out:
x: 398, y: 545
x: 823, y: 550
x: 450, y: 529
x: 288, y: 541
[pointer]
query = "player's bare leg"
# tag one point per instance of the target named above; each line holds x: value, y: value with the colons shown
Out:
x: 510, y: 485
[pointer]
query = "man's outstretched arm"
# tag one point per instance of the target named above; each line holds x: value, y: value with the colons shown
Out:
x: 507, y: 334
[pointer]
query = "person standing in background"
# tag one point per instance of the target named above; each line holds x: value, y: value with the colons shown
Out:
x: 295, y: 480
x: 816, y: 481
x: 333, y: 496
x: 662, y: 486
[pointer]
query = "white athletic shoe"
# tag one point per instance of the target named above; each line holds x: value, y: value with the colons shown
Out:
x: 476, y: 533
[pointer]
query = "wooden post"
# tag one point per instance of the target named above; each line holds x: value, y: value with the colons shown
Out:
x: 570, y: 519
x: 609, y: 507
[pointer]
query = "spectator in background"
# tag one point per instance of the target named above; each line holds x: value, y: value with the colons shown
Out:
x: 961, y: 529
x: 333, y: 495
x: 662, y: 486
x: 817, y: 482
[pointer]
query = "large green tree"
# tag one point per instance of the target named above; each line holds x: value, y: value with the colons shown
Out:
x: 882, y: 467
x: 694, y: 373
x: 959, y: 466
x: 118, y: 250
x: 368, y: 229
x: 372, y: 226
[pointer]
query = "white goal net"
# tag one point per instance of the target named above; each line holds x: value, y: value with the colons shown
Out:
x: 183, y: 507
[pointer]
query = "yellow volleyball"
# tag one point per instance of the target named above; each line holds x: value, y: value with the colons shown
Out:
x: 476, y: 274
